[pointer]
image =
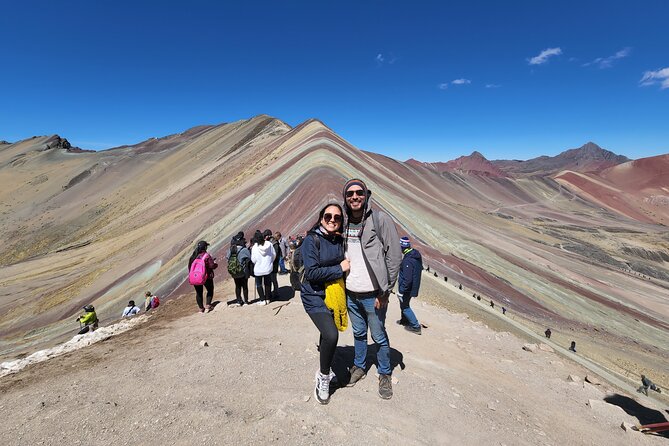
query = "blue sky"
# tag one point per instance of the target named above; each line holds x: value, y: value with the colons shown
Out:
x: 428, y: 80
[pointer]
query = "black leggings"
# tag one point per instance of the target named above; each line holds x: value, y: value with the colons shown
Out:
x: 242, y: 284
x: 209, y: 285
x: 264, y: 294
x: 328, y: 340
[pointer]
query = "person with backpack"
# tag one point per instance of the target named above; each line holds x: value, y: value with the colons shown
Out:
x: 285, y: 253
x: 238, y: 256
x: 130, y: 310
x: 89, y: 320
x: 262, y: 256
x: 150, y: 301
x: 324, y: 270
x: 201, y: 268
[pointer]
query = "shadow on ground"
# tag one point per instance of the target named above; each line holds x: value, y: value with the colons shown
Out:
x: 639, y: 411
x: 343, y: 360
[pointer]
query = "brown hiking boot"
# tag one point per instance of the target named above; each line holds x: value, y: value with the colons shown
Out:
x: 356, y: 375
x: 385, y: 387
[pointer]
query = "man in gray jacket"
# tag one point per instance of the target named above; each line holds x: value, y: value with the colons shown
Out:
x: 373, y: 248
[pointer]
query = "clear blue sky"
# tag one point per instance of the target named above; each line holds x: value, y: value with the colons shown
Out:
x: 429, y: 80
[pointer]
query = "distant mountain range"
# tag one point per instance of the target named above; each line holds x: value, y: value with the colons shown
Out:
x: 103, y: 227
x: 587, y: 158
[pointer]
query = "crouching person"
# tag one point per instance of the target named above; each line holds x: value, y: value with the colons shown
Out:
x: 89, y: 320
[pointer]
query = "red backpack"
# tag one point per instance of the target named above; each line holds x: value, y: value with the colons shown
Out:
x: 155, y: 302
x: 198, y: 270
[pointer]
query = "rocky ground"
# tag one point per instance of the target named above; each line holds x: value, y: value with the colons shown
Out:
x: 461, y: 382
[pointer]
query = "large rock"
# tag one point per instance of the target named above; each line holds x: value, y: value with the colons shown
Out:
x: 593, y: 380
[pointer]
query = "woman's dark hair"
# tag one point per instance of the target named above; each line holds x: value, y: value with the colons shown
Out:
x: 258, y: 238
x: 322, y: 212
x: 199, y: 249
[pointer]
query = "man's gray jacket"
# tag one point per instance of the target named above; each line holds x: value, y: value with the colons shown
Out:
x: 384, y: 258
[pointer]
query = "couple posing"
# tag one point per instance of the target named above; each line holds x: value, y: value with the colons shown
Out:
x: 366, y: 251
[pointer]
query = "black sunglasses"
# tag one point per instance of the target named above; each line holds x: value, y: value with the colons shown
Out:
x: 335, y: 217
x: 358, y: 192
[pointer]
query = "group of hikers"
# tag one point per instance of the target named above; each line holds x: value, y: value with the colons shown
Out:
x: 346, y: 266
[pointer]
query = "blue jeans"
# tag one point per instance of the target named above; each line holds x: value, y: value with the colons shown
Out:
x: 282, y: 265
x: 362, y: 314
x: 407, y: 312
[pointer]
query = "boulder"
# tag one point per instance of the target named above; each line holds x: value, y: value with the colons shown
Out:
x: 530, y: 347
x: 593, y: 380
x: 204, y: 343
x: 627, y: 427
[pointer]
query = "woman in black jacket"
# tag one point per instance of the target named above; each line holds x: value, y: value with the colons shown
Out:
x: 323, y: 257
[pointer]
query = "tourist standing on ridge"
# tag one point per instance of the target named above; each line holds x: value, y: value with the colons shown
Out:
x: 572, y: 347
x: 409, y: 284
x: 548, y: 333
x: 324, y: 267
x: 202, y: 256
x: 285, y: 252
x: 275, y: 263
x: 262, y: 256
x: 130, y: 310
x: 238, y: 256
x: 372, y: 246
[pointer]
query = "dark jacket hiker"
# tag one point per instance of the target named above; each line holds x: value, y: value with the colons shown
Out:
x: 320, y: 266
x: 410, y: 272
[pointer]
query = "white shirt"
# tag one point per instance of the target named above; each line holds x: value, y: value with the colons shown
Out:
x: 262, y: 258
x: 359, y: 279
x: 130, y: 311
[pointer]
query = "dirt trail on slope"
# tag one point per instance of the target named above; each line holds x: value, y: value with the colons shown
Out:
x: 458, y: 383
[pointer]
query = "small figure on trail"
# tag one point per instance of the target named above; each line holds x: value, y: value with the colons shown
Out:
x: 285, y: 252
x: 445, y: 279
x: 130, y: 310
x: 151, y: 301
x: 435, y: 274
x: 428, y: 268
x: 548, y: 333
x: 275, y: 263
x: 503, y: 310
x: 460, y: 287
x: 492, y: 304
x: 409, y: 284
x: 89, y: 320
x: 646, y: 384
x: 478, y: 297
x: 201, y: 268
x: 572, y: 347
x: 323, y: 294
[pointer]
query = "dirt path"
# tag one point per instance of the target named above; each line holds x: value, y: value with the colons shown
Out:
x: 458, y: 383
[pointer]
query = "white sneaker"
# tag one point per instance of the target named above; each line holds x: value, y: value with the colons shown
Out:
x: 322, y: 389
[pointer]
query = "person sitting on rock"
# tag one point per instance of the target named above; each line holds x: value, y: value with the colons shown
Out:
x: 130, y: 310
x: 572, y: 347
x: 89, y: 320
x: 646, y: 384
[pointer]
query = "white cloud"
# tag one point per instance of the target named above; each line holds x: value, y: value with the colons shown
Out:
x: 542, y: 58
x: 660, y: 76
x: 380, y: 58
x: 443, y: 86
x: 491, y: 86
x: 461, y: 82
x: 607, y: 62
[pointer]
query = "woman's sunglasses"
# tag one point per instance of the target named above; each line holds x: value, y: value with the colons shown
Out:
x: 335, y: 217
x: 358, y: 192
